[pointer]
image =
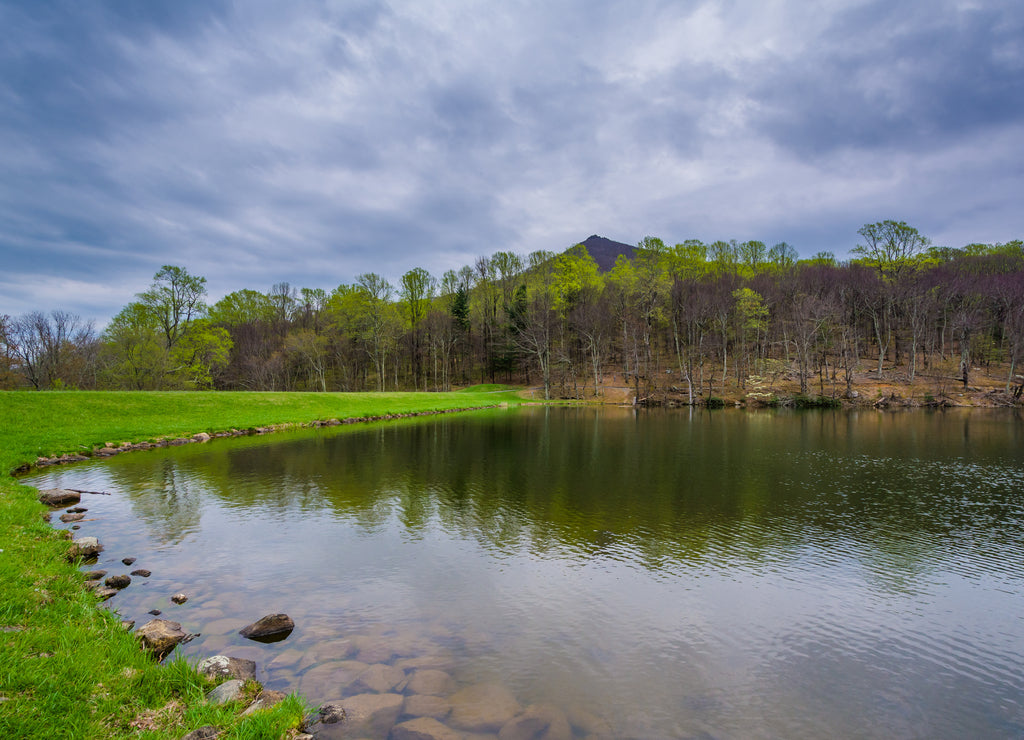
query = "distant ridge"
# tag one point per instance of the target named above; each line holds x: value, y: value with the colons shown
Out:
x: 605, y: 251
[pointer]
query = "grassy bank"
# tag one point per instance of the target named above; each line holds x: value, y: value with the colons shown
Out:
x: 67, y: 668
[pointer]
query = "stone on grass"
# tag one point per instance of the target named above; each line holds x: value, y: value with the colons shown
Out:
x: 209, y: 732
x: 105, y: 593
x: 94, y: 575
x: 423, y: 728
x: 484, y: 707
x: 128, y: 561
x: 59, y: 497
x: 159, y: 636
x: 270, y: 628
x: 227, y: 691
x: 265, y: 701
x: 224, y: 665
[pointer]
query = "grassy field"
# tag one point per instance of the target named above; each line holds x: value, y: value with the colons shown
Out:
x: 68, y: 668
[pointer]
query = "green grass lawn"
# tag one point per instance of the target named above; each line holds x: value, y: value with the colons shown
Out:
x: 68, y: 668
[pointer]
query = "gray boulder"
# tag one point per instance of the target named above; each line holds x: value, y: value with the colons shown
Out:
x: 85, y: 547
x: 224, y: 665
x: 227, y: 691
x: 59, y: 497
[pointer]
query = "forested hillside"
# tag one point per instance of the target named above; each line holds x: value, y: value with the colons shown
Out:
x: 684, y: 322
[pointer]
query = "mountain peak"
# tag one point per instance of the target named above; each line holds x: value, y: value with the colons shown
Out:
x: 606, y: 251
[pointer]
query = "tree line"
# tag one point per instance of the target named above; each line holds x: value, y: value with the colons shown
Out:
x: 682, y: 321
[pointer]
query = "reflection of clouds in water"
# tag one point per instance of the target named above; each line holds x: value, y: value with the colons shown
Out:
x: 729, y: 574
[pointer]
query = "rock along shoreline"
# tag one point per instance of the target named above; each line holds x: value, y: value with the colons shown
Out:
x: 110, y: 448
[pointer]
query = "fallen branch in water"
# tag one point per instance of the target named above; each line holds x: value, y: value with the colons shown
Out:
x: 94, y: 493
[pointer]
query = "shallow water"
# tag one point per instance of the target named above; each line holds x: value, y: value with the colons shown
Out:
x: 649, y: 574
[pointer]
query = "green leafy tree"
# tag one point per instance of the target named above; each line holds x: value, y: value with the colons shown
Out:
x: 174, y: 299
x: 378, y: 321
x: 750, y: 317
x: 416, y: 292
x: 162, y: 340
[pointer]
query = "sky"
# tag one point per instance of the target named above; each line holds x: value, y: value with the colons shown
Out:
x: 258, y: 142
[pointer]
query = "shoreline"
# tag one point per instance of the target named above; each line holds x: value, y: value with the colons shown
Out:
x: 73, y: 665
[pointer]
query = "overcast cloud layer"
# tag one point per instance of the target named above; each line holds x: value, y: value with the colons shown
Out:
x: 309, y: 142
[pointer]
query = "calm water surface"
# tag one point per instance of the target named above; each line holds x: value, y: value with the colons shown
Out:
x: 651, y: 574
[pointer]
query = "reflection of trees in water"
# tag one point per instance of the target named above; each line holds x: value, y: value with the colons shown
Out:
x: 693, y: 488
x: 163, y: 495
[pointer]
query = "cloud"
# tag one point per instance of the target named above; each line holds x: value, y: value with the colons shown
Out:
x: 310, y: 142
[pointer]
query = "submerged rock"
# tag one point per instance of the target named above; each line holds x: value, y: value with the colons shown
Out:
x: 159, y: 636
x: 423, y: 728
x: 540, y: 722
x: 378, y: 678
x: 421, y: 705
x: 371, y: 714
x: 433, y: 682
x: 224, y: 665
x: 179, y: 598
x: 59, y: 497
x: 68, y: 518
x: 270, y: 628
x: 142, y: 572
x: 483, y: 707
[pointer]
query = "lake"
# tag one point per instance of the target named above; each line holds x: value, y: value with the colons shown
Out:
x: 642, y: 574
